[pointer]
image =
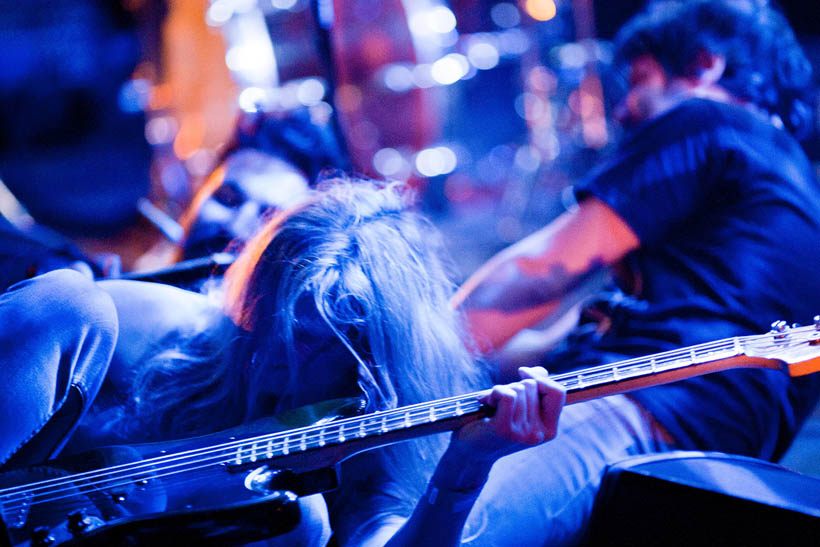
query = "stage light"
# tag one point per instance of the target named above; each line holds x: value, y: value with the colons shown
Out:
x: 483, y: 55
x: 441, y: 19
x: 436, y: 161
x: 388, y: 161
x: 438, y: 20
x: 219, y: 13
x: 540, y: 10
x: 449, y: 158
x: 253, y: 61
x: 134, y: 94
x: 422, y: 75
x: 348, y: 97
x: 572, y: 55
x: 320, y: 113
x: 527, y: 159
x: 530, y: 107
x: 398, y: 77
x: 252, y: 98
x: 161, y: 130
x: 449, y: 69
x: 283, y: 4
x: 310, y: 92
x: 505, y: 15
x: 513, y: 41
x: 190, y: 136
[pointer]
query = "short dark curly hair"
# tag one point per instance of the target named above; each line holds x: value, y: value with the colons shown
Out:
x: 765, y: 65
x: 313, y: 148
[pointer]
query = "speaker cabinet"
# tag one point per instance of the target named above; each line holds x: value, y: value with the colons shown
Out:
x: 696, y: 498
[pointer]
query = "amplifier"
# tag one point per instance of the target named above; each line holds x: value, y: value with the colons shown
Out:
x: 697, y: 498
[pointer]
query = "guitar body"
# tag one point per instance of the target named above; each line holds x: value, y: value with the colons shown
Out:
x: 138, y: 494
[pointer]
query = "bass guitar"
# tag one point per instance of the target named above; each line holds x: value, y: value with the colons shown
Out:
x: 241, y: 485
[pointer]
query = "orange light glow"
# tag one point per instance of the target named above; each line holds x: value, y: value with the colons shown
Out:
x: 540, y: 10
x: 191, y: 135
x: 348, y: 97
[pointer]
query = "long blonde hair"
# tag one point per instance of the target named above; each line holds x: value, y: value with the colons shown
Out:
x: 370, y: 269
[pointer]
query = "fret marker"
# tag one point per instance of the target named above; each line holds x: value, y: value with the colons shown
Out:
x: 384, y: 424
x: 342, y: 434
x: 407, y: 421
x: 362, y: 432
x: 432, y: 414
x: 459, y: 410
x: 303, y: 442
x: 321, y: 437
x: 653, y: 365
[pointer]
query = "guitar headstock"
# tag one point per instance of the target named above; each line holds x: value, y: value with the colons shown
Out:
x: 798, y: 347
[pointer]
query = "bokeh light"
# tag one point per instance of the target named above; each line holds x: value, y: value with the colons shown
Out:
x: 310, y: 91
x: 505, y: 15
x: 540, y: 10
x: 161, y: 130
x: 439, y: 20
x: 483, y: 55
x: 388, y: 162
x: 348, y: 98
x: 398, y: 77
x: 440, y: 160
x: 219, y: 12
x: 283, y: 4
x: 449, y: 69
x: 251, y: 99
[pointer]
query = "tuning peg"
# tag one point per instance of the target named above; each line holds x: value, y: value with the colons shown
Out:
x: 816, y: 320
x: 780, y: 328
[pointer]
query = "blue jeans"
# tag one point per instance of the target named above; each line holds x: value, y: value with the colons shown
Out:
x: 57, y: 335
x: 544, y: 495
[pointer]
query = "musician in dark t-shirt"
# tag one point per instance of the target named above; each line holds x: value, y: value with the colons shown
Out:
x: 727, y: 211
x: 709, y: 210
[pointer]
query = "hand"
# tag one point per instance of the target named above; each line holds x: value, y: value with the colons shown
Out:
x: 526, y: 414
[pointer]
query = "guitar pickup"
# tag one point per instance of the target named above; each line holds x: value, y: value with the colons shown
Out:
x: 266, y: 480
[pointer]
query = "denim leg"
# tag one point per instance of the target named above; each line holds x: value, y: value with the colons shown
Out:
x: 544, y: 495
x: 57, y: 334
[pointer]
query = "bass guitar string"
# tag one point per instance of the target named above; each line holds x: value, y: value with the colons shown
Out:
x: 263, y: 439
x: 237, y: 443
x: 255, y: 450
x: 380, y: 418
x: 671, y: 355
x: 242, y: 450
x: 180, y: 458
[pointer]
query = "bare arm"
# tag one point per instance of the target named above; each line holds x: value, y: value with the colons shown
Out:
x: 148, y: 313
x: 525, y: 283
